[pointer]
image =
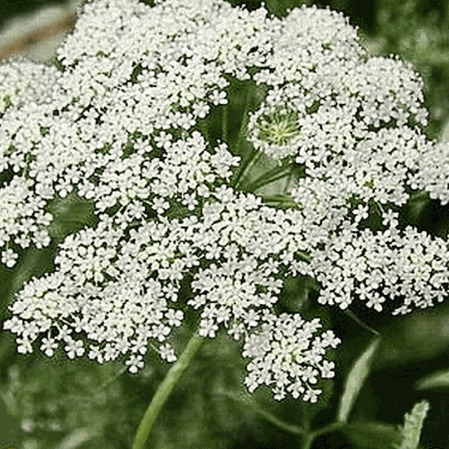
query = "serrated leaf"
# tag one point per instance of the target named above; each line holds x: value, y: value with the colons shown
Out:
x: 372, y: 435
x: 439, y: 379
x: 413, y: 422
x: 355, y: 381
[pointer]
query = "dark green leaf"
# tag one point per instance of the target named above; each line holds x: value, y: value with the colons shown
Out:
x: 355, y: 380
x: 439, y: 379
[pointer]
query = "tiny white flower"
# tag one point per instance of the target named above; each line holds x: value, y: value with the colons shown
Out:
x: 48, y: 346
x: 9, y: 258
x: 74, y: 348
x: 167, y: 353
x: 134, y: 363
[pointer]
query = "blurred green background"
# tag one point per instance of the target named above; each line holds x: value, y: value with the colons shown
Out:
x: 61, y: 404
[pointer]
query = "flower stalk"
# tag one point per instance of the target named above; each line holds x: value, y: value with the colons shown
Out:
x: 164, y: 390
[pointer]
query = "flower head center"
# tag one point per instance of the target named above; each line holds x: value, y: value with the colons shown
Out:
x: 279, y: 128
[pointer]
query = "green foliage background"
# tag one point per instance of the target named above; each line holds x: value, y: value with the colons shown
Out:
x: 61, y: 404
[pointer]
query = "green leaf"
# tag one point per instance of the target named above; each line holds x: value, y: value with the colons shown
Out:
x: 355, y: 380
x: 413, y: 422
x: 372, y: 435
x: 439, y: 379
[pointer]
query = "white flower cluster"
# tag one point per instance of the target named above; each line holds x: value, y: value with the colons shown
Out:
x: 123, y: 124
x: 117, y: 284
x: 288, y: 356
x: 355, y: 124
x: 410, y: 267
x: 433, y: 173
x: 375, y: 170
x: 22, y: 217
x: 23, y: 81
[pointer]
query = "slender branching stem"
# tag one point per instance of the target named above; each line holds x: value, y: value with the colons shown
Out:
x: 163, y: 392
x: 309, y: 437
x: 271, y: 180
x: 329, y: 428
x: 361, y: 323
x: 307, y: 440
x: 269, y: 417
x: 224, y: 123
x: 247, y: 168
x: 268, y: 177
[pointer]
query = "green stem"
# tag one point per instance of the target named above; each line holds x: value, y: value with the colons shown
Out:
x: 163, y: 392
x: 203, y: 125
x: 289, y: 179
x: 309, y: 437
x: 251, y: 162
x: 362, y: 324
x: 290, y: 205
x: 272, y: 419
x: 270, y: 181
x: 224, y: 123
x: 307, y: 441
x: 270, y: 176
x: 244, y: 120
x: 332, y: 427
